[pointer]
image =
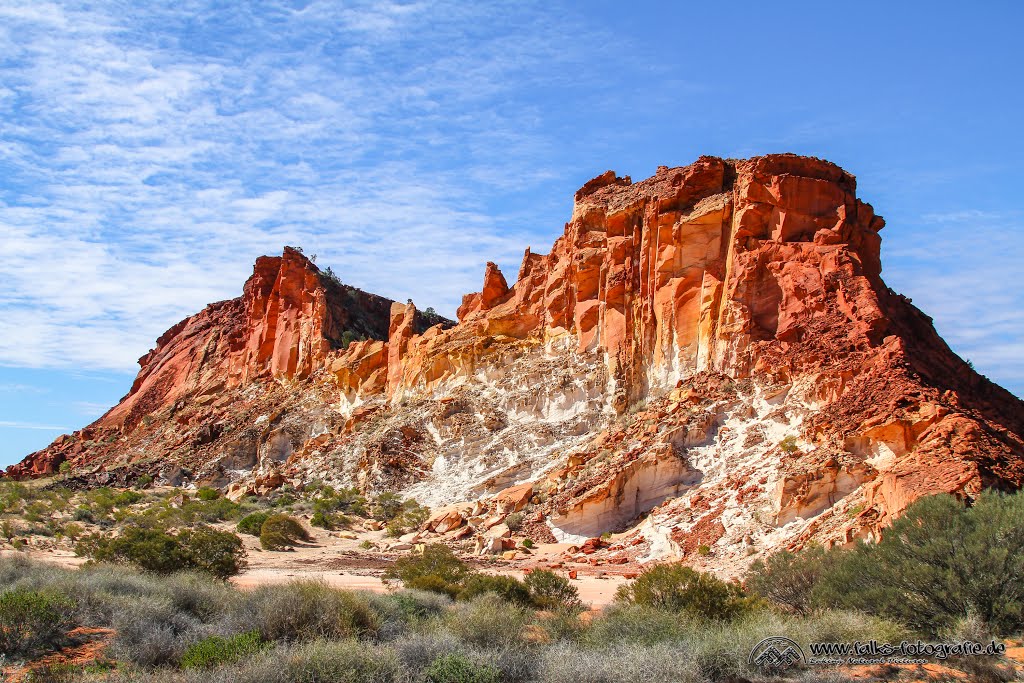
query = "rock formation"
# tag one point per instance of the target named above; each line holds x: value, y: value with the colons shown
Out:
x: 708, y: 358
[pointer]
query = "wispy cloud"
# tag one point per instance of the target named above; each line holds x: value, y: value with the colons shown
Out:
x: 148, y: 158
x: 31, y: 425
x: 964, y: 268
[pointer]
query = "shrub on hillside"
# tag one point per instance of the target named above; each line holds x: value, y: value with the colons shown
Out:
x: 149, y: 548
x: 215, y: 552
x: 252, y: 523
x: 409, y: 517
x: 282, y: 531
x: 678, y: 588
x: 205, y: 549
x: 457, y: 668
x: 788, y: 579
x: 214, y: 650
x: 437, y: 569
x: 508, y: 588
x: 552, y: 592
x: 309, y: 610
x: 937, y: 563
x: 33, y: 620
x: 345, y: 662
x: 207, y: 493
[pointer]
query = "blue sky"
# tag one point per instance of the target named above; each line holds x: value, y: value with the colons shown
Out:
x: 149, y: 152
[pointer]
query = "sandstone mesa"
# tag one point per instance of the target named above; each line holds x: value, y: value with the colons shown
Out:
x: 705, y: 358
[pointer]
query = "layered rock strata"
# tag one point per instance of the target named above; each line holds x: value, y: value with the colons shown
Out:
x: 705, y: 359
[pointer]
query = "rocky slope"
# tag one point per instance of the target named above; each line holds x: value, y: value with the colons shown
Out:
x: 707, y: 361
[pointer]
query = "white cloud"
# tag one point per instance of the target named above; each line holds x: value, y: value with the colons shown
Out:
x: 964, y: 268
x: 155, y: 155
x: 31, y: 425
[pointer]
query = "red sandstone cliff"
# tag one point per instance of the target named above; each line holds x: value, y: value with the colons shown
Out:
x: 650, y: 364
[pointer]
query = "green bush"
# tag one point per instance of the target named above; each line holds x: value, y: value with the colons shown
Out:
x: 311, y: 610
x: 437, y: 570
x: 408, y: 515
x: 550, y: 591
x: 937, y: 563
x: 678, y: 588
x: 32, y: 620
x: 281, y: 531
x: 639, y: 624
x: 252, y: 523
x: 206, y: 493
x: 508, y: 588
x: 788, y: 444
x: 149, y: 548
x: 215, y: 552
x: 514, y: 521
x: 219, y: 553
x: 457, y: 668
x: 386, y: 506
x: 125, y: 498
x: 788, y: 579
x: 339, y: 662
x: 330, y: 520
x: 214, y: 650
x: 487, y: 621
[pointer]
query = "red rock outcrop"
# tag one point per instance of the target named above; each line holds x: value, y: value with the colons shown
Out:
x: 766, y: 268
x: 740, y: 300
x: 290, y: 321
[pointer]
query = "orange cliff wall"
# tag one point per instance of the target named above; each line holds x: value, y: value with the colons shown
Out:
x: 686, y: 271
x: 283, y: 326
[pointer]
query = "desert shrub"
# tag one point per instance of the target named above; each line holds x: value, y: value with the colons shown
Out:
x: 788, y: 579
x: 678, y: 588
x: 282, y: 531
x: 330, y: 520
x: 410, y: 516
x: 149, y: 548
x: 788, y: 444
x: 550, y: 591
x: 83, y: 514
x: 144, y: 480
x: 219, y: 553
x: 214, y: 650
x: 32, y: 620
x: 308, y: 610
x: 214, y: 510
x: 937, y: 563
x: 215, y: 552
x: 386, y: 506
x: 340, y: 662
x: 514, y: 521
x: 252, y: 523
x: 508, y: 588
x: 627, y: 623
x: 457, y: 668
x: 620, y: 663
x: 437, y: 570
x: 128, y: 497
x: 417, y: 604
x: 488, y: 621
x: 207, y: 493
x: 150, y: 631
x: 72, y: 531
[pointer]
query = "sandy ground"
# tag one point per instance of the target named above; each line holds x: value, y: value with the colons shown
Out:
x: 339, y: 559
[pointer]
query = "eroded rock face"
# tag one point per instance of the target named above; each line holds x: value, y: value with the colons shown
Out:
x: 707, y: 358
